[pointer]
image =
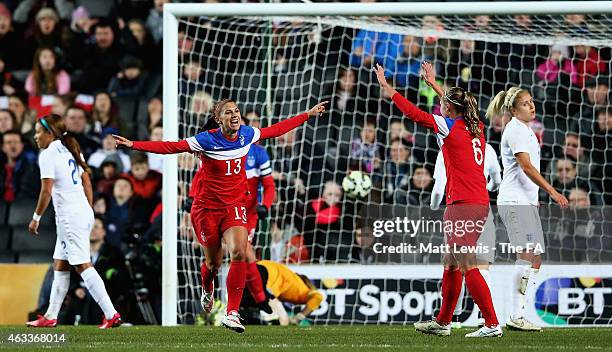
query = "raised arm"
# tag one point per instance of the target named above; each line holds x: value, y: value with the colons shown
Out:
x: 154, y: 147
x: 280, y: 128
x: 429, y: 76
x: 408, y: 109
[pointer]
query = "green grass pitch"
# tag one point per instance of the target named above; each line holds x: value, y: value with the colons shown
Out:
x: 332, y: 338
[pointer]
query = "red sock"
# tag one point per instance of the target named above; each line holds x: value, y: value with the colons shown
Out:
x: 479, y: 290
x: 253, y: 282
x: 451, y: 288
x: 208, y: 277
x: 235, y: 285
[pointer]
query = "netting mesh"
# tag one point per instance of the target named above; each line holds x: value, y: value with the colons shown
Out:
x: 278, y: 67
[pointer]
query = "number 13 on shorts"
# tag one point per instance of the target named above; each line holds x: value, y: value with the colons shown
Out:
x: 240, y: 214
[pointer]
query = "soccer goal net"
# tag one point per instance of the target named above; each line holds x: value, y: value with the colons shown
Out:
x: 278, y: 60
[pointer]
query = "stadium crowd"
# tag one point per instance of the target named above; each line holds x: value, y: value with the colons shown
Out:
x: 99, y: 65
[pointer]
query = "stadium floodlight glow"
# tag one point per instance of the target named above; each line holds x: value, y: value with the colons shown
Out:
x: 304, y: 78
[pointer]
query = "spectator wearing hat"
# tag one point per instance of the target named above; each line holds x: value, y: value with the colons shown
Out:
x: 130, y: 80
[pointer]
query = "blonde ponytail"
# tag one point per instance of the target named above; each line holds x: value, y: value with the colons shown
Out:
x: 503, y: 102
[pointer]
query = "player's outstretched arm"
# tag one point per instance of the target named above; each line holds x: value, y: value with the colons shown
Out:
x: 429, y: 76
x: 525, y: 163
x: 280, y: 128
x: 154, y: 147
x: 408, y: 109
x: 44, y: 198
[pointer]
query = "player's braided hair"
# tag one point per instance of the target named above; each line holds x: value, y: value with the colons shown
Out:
x: 466, y: 105
x: 54, y: 124
x: 504, y: 101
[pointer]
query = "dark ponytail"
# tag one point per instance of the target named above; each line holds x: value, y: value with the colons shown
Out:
x: 467, y: 106
x: 58, y: 129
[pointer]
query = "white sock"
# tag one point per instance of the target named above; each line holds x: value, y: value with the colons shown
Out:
x: 96, y: 289
x: 459, y: 306
x: 531, y: 285
x: 519, y: 278
x: 61, y: 282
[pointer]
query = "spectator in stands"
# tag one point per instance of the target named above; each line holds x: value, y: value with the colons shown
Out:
x: 565, y: 178
x: 253, y: 118
x: 421, y: 184
x: 155, y: 20
x: 574, y: 151
x: 9, y: 41
x: 75, y: 121
x: 465, y: 67
x: 405, y: 66
x: 192, y: 70
x: 139, y: 43
x: 19, y: 177
x: 118, y: 212
x: 7, y: 121
x: 364, y: 150
x: 156, y: 161
x: 396, y: 173
x: 588, y: 63
x: 104, y: 116
x: 130, y: 80
x: 325, y: 226
x: 397, y: 130
x: 201, y: 103
x: 7, y: 83
x: 99, y: 61
x: 577, y: 23
x: 18, y: 104
x: 100, y: 202
x: 146, y: 183
x: 46, y: 77
x: 349, y: 98
x: 110, y: 263
x: 107, y: 174
x: 433, y: 47
x: 558, y: 62
x: 109, y: 152
x: 47, y: 34
x: 371, y: 47
x: 61, y: 103
x: 362, y: 251
x: 596, y: 95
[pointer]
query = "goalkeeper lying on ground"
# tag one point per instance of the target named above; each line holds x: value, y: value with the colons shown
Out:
x: 285, y: 286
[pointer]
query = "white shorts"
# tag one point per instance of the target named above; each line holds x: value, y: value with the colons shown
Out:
x: 72, y: 242
x: 523, y: 226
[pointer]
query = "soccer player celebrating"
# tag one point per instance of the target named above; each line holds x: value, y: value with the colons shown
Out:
x: 461, y: 138
x: 219, y: 209
x: 65, y: 179
x: 518, y: 195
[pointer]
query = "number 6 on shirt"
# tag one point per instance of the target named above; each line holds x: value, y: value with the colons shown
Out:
x: 477, y: 147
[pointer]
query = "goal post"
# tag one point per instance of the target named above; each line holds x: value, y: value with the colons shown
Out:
x: 354, y: 15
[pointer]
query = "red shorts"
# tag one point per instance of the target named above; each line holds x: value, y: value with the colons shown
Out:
x: 210, y: 224
x: 463, y: 223
x: 252, y: 220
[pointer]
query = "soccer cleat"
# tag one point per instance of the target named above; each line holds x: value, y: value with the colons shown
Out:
x: 456, y: 323
x: 485, y: 331
x: 207, y: 300
x: 113, y: 322
x: 433, y: 327
x: 522, y: 324
x: 480, y: 322
x: 42, y: 322
x: 265, y: 306
x: 232, y: 322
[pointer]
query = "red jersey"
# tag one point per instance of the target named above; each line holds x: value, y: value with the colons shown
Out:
x: 463, y: 153
x: 222, y: 177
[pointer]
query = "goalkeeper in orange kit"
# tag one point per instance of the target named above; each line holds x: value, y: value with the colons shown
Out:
x: 285, y: 286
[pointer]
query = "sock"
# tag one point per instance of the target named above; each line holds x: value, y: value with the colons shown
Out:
x: 61, y: 281
x: 520, y: 278
x: 253, y: 282
x: 451, y: 287
x: 208, y: 277
x: 486, y: 275
x: 459, y: 306
x: 531, y: 285
x: 236, y: 278
x: 482, y: 296
x: 96, y: 289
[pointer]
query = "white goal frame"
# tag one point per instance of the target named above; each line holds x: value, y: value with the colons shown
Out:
x: 171, y: 71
